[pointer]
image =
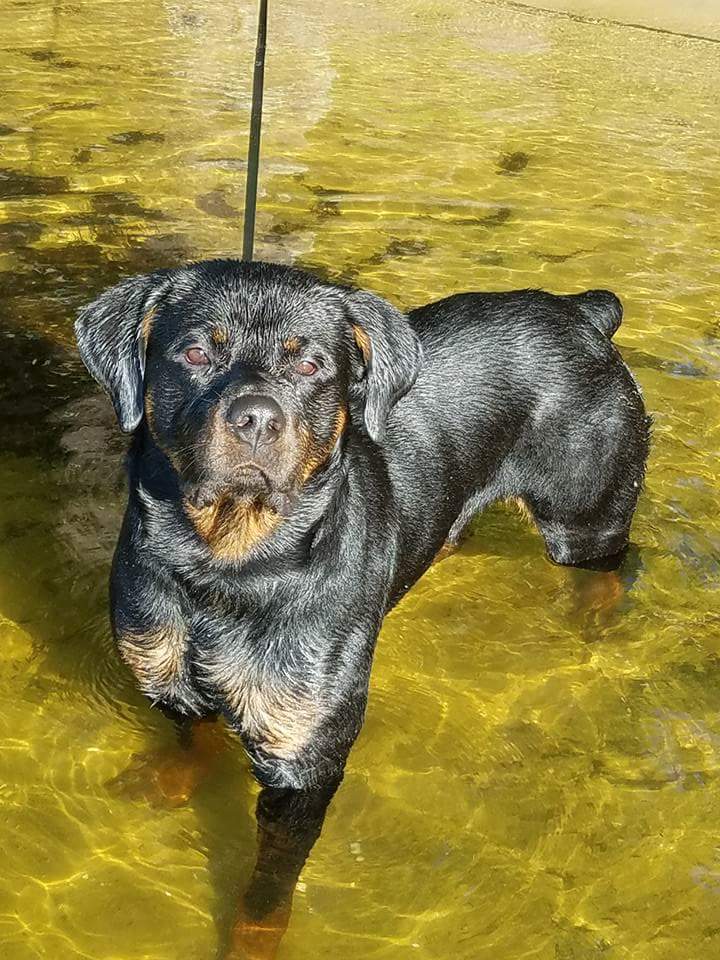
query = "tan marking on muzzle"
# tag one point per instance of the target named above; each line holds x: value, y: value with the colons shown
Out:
x: 315, y: 458
x: 150, y: 418
x: 150, y: 415
x: 230, y: 527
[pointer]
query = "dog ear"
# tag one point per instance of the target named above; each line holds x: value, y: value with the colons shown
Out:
x: 112, y: 334
x: 392, y: 355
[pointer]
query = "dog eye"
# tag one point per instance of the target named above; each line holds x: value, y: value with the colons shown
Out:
x: 197, y: 357
x: 306, y: 368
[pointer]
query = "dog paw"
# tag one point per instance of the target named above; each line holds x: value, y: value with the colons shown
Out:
x: 258, y: 939
x: 164, y: 779
x: 600, y: 594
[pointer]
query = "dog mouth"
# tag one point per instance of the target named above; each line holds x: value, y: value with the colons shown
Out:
x: 248, y: 483
x: 251, y: 473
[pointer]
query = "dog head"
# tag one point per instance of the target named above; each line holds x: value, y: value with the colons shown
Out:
x: 246, y: 375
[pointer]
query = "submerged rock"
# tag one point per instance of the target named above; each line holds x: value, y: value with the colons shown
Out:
x: 397, y: 249
x: 511, y: 163
x: 216, y: 205
x: 14, y: 183
x: 133, y: 137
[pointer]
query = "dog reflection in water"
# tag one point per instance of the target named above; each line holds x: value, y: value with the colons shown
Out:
x: 301, y: 452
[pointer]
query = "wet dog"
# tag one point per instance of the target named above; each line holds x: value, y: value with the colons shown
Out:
x: 301, y: 453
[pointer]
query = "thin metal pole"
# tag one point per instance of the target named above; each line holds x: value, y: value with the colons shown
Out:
x: 253, y: 162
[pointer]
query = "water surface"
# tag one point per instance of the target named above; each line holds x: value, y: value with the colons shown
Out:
x: 538, y: 773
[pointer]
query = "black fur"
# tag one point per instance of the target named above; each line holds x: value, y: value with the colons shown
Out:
x: 477, y: 398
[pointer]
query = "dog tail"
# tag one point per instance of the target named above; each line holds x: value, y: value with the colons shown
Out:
x: 602, y: 308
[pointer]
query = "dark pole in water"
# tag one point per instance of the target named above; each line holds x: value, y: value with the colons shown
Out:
x: 253, y: 162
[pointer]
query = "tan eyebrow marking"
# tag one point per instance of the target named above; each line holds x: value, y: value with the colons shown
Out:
x: 219, y: 335
x: 292, y: 345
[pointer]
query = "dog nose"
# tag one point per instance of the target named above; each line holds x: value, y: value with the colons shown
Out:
x: 256, y: 420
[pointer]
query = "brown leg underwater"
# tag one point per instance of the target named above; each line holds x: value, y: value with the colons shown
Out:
x: 289, y: 822
x: 169, y: 777
x: 598, y: 594
x: 603, y: 587
x: 445, y: 551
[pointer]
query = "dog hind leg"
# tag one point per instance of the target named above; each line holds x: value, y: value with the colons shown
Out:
x: 596, y: 541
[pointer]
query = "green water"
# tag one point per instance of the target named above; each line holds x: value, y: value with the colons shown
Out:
x: 538, y: 773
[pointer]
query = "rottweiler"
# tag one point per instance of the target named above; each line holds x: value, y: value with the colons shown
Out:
x: 302, y: 451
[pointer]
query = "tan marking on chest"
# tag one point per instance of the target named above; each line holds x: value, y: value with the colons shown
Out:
x: 156, y: 657
x: 522, y: 507
x: 281, y: 720
x: 232, y: 528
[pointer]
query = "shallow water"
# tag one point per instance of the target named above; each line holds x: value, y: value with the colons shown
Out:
x: 538, y: 773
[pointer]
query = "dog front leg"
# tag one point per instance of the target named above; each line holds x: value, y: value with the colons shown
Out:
x: 288, y: 824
